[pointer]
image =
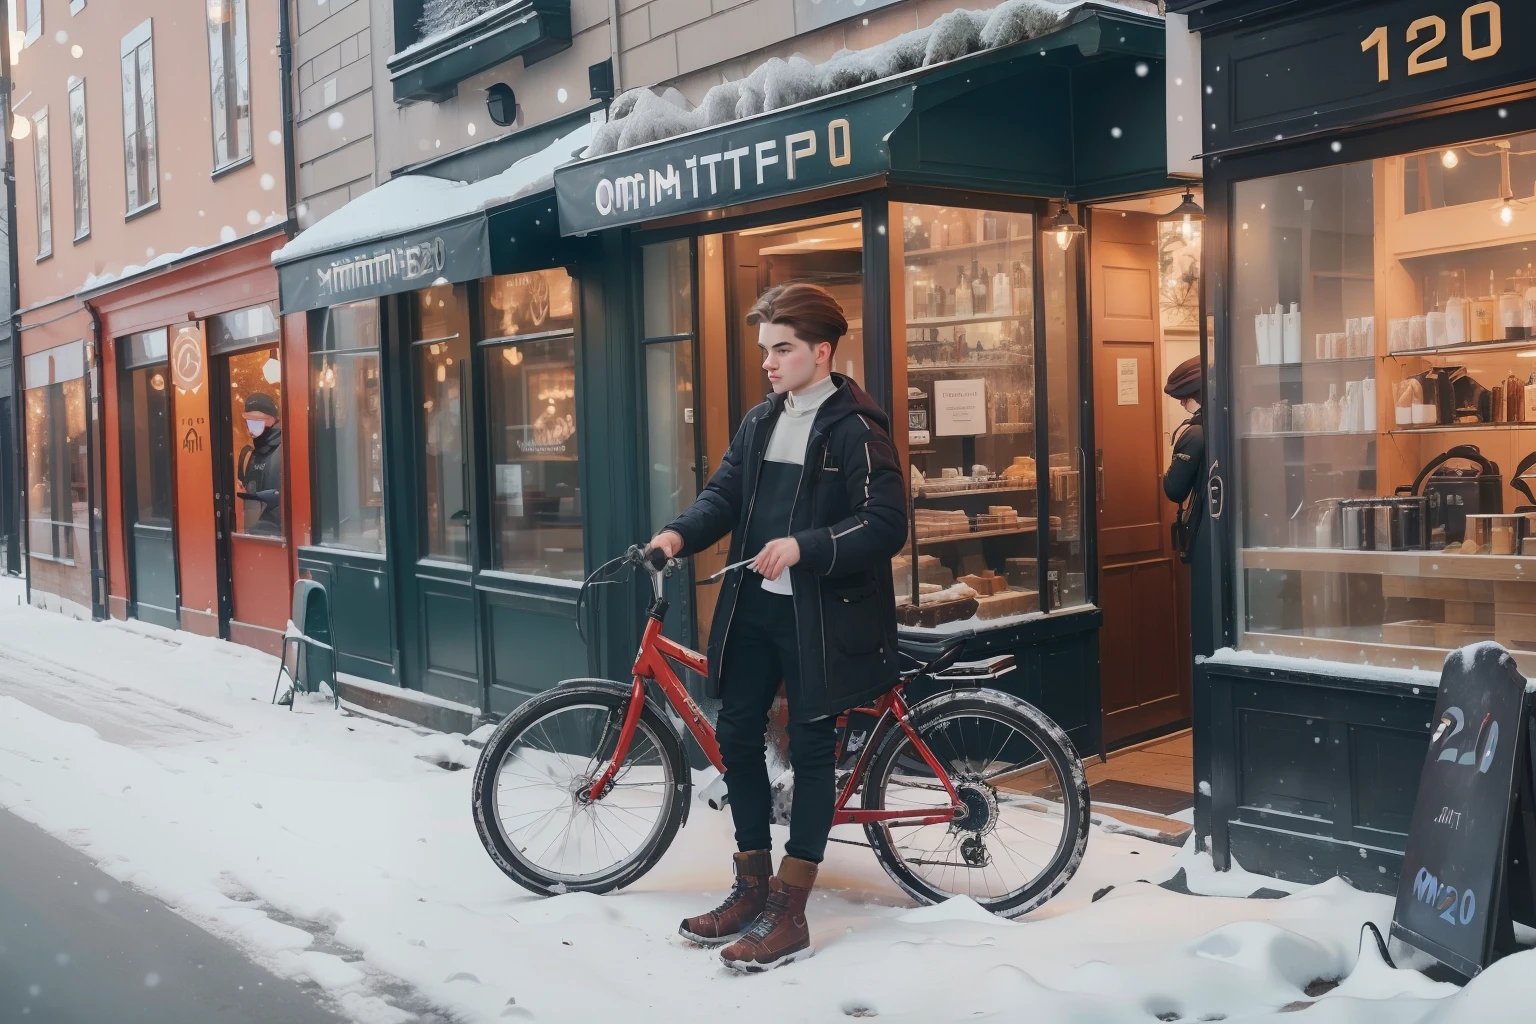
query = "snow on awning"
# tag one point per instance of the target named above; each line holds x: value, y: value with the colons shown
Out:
x: 791, y: 126
x: 411, y: 232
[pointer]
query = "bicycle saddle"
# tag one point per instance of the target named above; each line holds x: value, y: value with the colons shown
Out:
x: 933, y: 655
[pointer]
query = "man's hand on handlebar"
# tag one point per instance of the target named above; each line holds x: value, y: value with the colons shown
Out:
x: 667, y: 542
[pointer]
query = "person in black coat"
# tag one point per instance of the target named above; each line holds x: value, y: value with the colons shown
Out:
x: 261, y: 467
x: 1184, y: 483
x: 811, y: 490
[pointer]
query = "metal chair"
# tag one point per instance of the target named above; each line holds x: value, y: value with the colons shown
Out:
x: 308, y: 657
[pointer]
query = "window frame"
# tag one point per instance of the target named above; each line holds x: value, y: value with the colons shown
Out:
x: 79, y: 163
x: 318, y: 324
x: 145, y: 128
x: 33, y: 29
x: 231, y: 85
x: 487, y: 344
x: 42, y: 183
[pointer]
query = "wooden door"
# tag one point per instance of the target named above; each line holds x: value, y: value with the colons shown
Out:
x: 1143, y: 587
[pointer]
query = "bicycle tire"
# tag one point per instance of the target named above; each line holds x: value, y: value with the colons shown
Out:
x: 1047, y: 737
x: 576, y: 693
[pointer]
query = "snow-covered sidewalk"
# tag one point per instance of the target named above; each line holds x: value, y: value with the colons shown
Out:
x: 339, y: 848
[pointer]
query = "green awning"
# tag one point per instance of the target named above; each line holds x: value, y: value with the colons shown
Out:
x: 1078, y: 112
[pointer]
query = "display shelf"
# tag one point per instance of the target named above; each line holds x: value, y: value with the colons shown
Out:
x: 1469, y: 347
x: 1429, y: 564
x: 952, y: 538
x: 1011, y: 364
x: 925, y: 494
x: 964, y: 321
x: 1451, y: 428
x: 947, y: 250
x: 1310, y: 433
x: 1308, y: 363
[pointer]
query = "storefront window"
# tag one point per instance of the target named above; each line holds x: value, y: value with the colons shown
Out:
x: 970, y: 412
x: 347, y: 439
x: 442, y: 345
x: 1383, y: 318
x: 531, y: 391
x: 1065, y: 577
x: 669, y: 341
x: 58, y: 511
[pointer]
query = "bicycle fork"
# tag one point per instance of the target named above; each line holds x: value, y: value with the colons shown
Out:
x: 604, y: 781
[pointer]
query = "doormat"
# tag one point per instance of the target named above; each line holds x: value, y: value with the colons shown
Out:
x: 1144, y: 798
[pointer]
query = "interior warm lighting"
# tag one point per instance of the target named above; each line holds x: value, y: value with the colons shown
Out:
x: 1450, y: 159
x: 157, y: 381
x: 512, y: 354
x: 1186, y: 214
x: 1505, y: 208
x: 1064, y: 227
x: 442, y: 373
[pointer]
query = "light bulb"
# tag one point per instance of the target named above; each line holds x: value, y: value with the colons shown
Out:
x: 1450, y: 159
x: 1064, y: 240
x: 1188, y: 230
x: 442, y: 373
x: 1506, y: 214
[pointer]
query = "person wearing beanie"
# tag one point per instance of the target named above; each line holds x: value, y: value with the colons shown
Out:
x: 261, y: 467
x: 1184, y: 483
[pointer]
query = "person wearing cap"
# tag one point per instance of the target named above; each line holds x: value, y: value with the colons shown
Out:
x: 1184, y: 483
x: 261, y: 467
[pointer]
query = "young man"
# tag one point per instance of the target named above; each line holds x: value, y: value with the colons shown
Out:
x: 811, y: 488
x: 1184, y: 483
x: 261, y: 467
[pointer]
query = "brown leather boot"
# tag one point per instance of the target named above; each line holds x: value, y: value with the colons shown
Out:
x: 748, y: 896
x: 779, y: 935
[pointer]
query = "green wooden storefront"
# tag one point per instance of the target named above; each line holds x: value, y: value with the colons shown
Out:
x: 1076, y: 114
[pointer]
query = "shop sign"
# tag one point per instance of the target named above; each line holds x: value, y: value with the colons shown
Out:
x: 188, y: 360
x: 450, y: 252
x: 776, y: 154
x: 1460, y: 869
x: 1315, y: 71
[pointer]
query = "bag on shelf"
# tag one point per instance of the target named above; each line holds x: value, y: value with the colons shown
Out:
x: 1453, y: 494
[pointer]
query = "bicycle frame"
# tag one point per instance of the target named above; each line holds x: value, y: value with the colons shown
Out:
x: 654, y: 664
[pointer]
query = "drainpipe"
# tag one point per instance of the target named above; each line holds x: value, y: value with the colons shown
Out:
x: 18, y: 399
x: 96, y: 461
x: 613, y: 41
x: 285, y: 71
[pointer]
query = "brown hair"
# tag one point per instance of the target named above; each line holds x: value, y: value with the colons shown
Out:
x: 808, y: 310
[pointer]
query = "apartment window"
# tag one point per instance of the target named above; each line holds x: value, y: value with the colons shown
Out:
x: 76, y: 6
x: 141, y: 162
x: 77, y: 160
x: 229, y: 63
x: 43, y: 179
x: 34, y: 21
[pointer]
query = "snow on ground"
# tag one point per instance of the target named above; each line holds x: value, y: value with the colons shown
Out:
x: 334, y: 847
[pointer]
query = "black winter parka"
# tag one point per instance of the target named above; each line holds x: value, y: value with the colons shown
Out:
x: 849, y: 518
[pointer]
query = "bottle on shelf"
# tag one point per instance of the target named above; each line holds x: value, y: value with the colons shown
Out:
x: 1435, y: 334
x: 1511, y: 311
x: 1529, y: 298
x: 1023, y: 288
x: 1529, y: 411
x: 978, y: 289
x: 1514, y: 399
x: 1456, y: 313
x: 1002, y: 293
x: 1290, y: 332
x: 962, y: 293
x: 1485, y: 313
x: 940, y: 237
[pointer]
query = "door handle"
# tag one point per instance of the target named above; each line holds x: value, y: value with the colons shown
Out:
x: 1216, y: 491
x: 461, y: 516
x: 1098, y: 469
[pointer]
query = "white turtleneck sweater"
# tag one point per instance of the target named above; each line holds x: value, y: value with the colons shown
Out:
x: 788, y: 442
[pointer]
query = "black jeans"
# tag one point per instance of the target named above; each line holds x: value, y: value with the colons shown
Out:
x: 760, y: 652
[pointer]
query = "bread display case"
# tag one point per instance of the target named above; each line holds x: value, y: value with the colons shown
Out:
x: 1384, y: 336
x: 973, y: 557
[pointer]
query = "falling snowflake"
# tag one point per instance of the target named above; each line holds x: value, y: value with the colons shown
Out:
x: 76, y: 51
x: 227, y: 234
x: 562, y: 95
x: 275, y: 137
x: 335, y: 121
x: 1115, y: 133
x: 268, y: 183
x: 1141, y: 69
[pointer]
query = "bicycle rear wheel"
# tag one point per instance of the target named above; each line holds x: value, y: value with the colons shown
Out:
x: 532, y: 794
x: 1026, y: 821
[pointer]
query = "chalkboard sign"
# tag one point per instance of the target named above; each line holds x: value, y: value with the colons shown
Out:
x: 1470, y: 822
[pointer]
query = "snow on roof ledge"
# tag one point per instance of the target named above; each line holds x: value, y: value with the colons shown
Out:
x: 641, y: 116
x: 412, y: 202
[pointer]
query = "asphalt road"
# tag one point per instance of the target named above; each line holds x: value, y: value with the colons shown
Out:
x: 78, y: 947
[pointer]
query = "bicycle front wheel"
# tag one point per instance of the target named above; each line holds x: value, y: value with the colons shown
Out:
x: 1025, y: 824
x: 533, y: 801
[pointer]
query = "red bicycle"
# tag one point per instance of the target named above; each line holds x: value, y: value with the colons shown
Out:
x: 969, y: 791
